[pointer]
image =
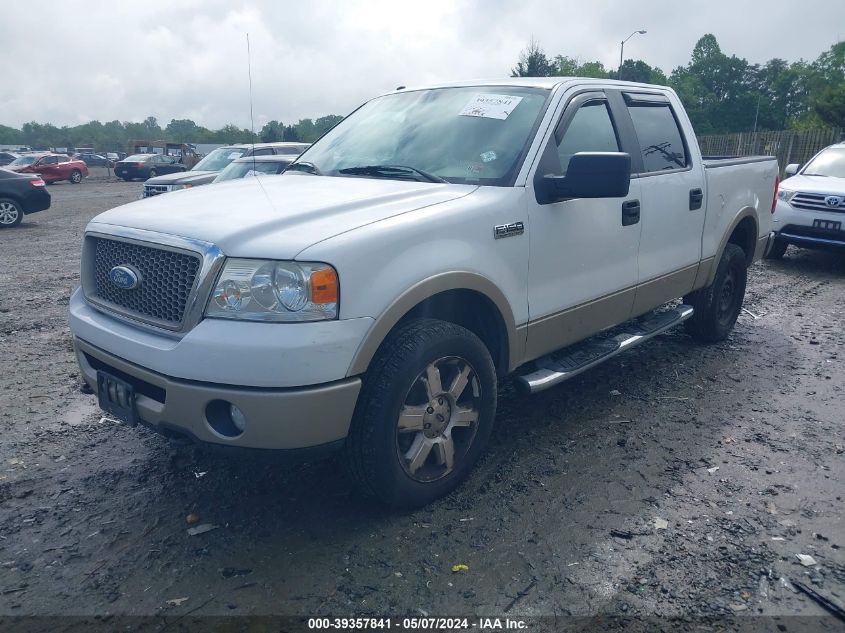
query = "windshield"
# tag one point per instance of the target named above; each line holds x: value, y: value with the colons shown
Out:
x: 136, y: 158
x: 219, y: 158
x: 245, y: 169
x: 831, y: 162
x: 23, y: 160
x: 474, y: 135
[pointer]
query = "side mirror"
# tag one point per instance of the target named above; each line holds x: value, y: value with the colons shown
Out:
x: 791, y: 169
x: 592, y: 175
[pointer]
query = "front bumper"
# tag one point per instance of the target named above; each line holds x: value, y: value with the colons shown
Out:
x: 277, y: 419
x: 795, y: 226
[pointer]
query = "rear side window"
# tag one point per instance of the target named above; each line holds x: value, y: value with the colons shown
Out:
x: 661, y: 142
x: 264, y: 151
x: 591, y: 130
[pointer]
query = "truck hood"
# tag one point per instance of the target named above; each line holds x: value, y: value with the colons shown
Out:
x: 277, y: 217
x: 815, y: 184
x: 182, y: 177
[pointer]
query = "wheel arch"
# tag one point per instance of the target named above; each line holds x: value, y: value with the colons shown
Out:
x: 742, y: 231
x: 465, y: 298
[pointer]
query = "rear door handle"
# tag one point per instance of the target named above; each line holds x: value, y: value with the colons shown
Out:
x: 696, y: 196
x: 630, y: 212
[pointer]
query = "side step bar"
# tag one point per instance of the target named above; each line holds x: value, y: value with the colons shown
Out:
x: 571, y: 361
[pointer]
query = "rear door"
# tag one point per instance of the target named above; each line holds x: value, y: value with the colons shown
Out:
x: 583, y: 252
x: 672, y: 211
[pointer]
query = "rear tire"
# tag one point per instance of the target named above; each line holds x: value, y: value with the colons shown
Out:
x: 778, y: 249
x: 718, y: 305
x: 153, y: 173
x: 75, y: 177
x: 11, y: 213
x: 424, y: 415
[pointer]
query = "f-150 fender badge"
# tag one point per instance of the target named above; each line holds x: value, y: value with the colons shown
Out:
x: 508, y: 230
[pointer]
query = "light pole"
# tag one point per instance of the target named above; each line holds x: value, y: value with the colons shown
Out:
x: 622, y: 50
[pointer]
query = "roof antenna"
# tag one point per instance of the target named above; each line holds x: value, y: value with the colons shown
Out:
x: 251, y: 119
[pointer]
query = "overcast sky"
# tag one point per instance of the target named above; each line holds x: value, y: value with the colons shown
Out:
x: 72, y: 61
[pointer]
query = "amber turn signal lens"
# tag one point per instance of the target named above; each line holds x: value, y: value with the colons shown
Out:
x: 324, y: 286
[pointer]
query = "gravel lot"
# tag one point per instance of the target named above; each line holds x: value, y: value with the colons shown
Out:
x: 725, y: 463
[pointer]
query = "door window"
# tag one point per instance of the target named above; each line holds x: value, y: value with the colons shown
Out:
x: 49, y: 160
x: 591, y: 130
x: 661, y: 142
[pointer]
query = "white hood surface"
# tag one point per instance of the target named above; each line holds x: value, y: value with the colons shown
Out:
x: 815, y: 184
x: 279, y: 216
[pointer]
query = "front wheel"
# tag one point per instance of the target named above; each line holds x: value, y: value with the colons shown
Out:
x: 717, y: 306
x: 424, y: 415
x: 11, y: 213
x: 75, y: 177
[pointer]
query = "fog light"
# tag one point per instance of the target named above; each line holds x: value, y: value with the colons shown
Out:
x: 238, y: 418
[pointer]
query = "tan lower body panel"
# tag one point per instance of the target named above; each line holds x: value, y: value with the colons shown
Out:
x: 575, y: 324
x: 666, y: 288
x: 570, y: 326
x: 275, y: 418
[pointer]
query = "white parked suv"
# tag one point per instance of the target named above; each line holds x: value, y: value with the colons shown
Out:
x: 437, y: 239
x: 810, y: 210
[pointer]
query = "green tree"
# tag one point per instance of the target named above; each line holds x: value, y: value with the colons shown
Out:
x: 639, y: 71
x: 533, y: 63
x: 272, y: 131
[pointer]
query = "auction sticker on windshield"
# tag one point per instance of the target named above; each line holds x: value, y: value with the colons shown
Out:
x: 491, y: 106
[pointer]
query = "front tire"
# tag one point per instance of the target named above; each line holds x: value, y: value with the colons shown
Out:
x: 717, y: 306
x: 75, y: 177
x: 11, y: 213
x: 778, y: 249
x: 424, y: 415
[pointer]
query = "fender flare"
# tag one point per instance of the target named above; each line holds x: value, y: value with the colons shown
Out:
x: 745, y: 212
x: 426, y: 289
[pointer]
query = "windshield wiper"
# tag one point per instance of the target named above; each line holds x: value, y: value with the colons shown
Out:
x: 306, y: 167
x: 386, y: 171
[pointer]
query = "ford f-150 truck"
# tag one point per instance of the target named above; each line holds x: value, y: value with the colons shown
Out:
x: 434, y: 241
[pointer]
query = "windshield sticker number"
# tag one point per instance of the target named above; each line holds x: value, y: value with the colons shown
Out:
x: 491, y: 106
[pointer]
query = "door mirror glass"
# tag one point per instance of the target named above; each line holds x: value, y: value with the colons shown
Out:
x: 593, y: 175
x: 791, y: 169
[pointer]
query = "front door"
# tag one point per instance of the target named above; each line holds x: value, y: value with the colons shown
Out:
x: 583, y: 252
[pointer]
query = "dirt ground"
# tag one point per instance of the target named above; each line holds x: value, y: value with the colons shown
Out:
x: 722, y: 463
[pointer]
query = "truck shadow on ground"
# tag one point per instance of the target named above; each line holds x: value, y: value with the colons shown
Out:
x: 587, y: 456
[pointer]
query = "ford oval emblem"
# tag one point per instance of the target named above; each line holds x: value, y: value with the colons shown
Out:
x: 124, y: 277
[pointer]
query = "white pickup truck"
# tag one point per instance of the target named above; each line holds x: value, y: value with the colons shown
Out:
x: 436, y: 240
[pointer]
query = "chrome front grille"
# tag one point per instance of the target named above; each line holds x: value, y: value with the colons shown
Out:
x: 817, y: 202
x: 167, y: 278
x: 154, y: 190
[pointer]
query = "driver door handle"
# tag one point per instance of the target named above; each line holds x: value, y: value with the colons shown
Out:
x: 630, y: 212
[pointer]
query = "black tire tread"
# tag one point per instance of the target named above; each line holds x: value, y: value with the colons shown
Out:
x: 702, y: 325
x: 404, y: 342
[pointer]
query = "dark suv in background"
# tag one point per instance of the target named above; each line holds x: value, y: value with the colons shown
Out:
x: 207, y: 169
x: 147, y: 166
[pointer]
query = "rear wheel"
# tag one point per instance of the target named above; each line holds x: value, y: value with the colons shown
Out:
x: 718, y: 305
x: 153, y: 173
x: 424, y: 415
x: 75, y: 177
x: 778, y: 249
x: 11, y: 213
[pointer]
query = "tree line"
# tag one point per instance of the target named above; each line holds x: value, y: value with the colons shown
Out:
x: 114, y: 135
x: 723, y: 93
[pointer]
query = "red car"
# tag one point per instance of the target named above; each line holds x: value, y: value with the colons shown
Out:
x: 51, y: 167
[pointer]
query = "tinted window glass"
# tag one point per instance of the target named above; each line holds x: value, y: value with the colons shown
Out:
x: 264, y: 151
x: 591, y: 130
x: 661, y: 143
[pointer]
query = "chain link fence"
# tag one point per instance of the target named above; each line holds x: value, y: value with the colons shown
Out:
x: 790, y: 146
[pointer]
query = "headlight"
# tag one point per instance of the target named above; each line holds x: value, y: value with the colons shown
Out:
x: 262, y: 290
x: 786, y: 194
x: 178, y: 187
